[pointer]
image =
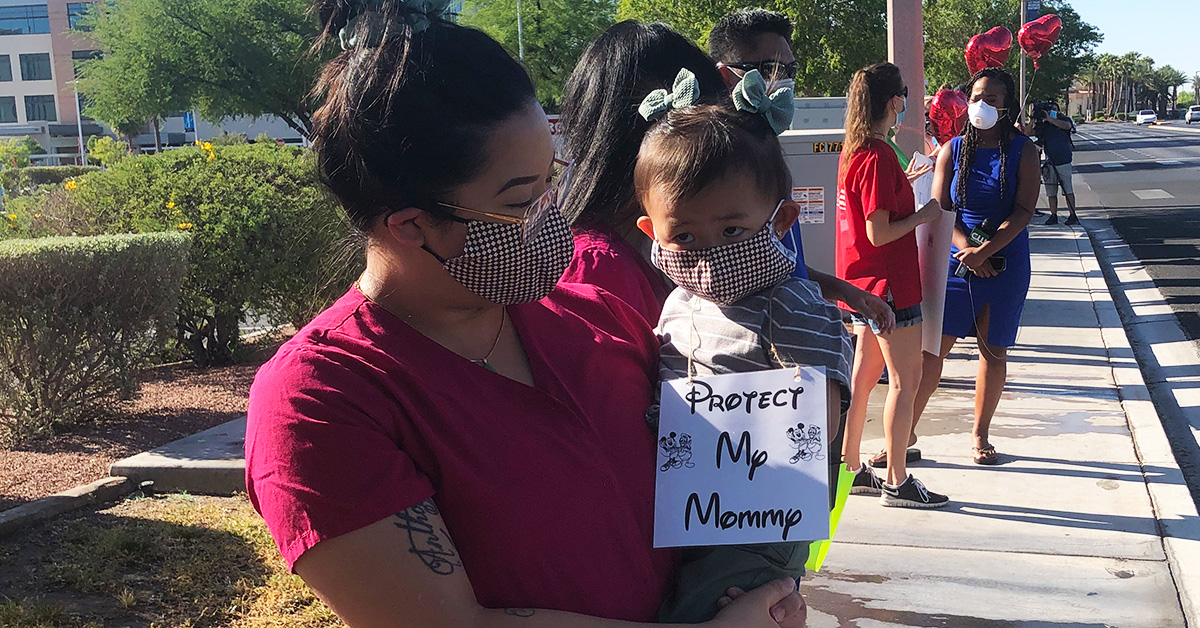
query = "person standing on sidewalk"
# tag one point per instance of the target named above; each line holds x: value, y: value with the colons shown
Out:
x: 877, y: 252
x: 1053, y: 131
x: 758, y: 39
x: 990, y: 176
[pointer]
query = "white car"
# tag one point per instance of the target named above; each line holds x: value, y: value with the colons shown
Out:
x: 1192, y: 115
x: 1147, y: 116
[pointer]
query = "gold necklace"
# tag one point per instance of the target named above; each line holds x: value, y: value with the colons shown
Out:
x: 484, y: 360
x: 481, y: 361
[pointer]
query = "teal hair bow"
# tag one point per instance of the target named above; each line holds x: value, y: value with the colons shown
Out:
x: 367, y: 25
x: 685, y: 91
x: 779, y: 107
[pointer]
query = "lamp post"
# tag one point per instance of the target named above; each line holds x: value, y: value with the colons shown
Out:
x: 79, y: 125
x: 520, y: 37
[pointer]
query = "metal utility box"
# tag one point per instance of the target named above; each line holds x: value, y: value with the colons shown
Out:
x: 812, y: 155
x: 819, y: 113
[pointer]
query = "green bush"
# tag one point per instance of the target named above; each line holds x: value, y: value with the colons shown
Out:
x: 1122, y: 117
x: 230, y: 139
x: 78, y: 318
x: 50, y: 211
x: 266, y: 238
x: 20, y: 181
x: 1079, y: 119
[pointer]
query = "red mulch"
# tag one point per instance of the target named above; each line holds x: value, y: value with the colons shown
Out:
x: 174, y: 401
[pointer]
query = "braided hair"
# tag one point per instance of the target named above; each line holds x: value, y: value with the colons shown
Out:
x: 972, y: 138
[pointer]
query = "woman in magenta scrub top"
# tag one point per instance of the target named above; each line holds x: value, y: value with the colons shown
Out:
x: 441, y: 447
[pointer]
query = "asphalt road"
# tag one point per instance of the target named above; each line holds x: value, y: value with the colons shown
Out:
x: 1148, y: 181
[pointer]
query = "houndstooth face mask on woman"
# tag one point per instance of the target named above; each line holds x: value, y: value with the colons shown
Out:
x: 728, y: 273
x: 502, y: 267
x: 509, y: 259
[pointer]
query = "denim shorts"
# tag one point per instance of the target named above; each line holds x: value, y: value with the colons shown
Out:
x: 906, y: 317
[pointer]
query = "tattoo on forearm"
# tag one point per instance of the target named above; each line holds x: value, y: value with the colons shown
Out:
x: 519, y: 612
x: 432, y: 545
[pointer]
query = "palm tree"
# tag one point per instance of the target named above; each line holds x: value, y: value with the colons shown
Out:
x: 1106, y: 73
x: 1169, y: 79
x: 1196, y: 87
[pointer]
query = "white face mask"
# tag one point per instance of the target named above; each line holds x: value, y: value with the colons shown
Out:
x: 982, y: 115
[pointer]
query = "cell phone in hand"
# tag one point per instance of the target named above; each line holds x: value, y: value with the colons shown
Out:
x: 998, y: 263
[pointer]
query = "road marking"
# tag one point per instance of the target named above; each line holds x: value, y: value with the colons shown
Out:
x: 1170, y: 163
x: 1112, y: 165
x: 1152, y: 195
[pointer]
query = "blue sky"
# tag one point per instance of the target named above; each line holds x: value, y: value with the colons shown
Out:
x: 1159, y: 29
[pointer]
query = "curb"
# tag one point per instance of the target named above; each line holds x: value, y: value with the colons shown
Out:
x: 1159, y: 455
x: 101, y: 491
x: 211, y: 462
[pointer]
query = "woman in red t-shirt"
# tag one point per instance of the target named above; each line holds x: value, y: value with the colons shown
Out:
x: 877, y: 251
x: 441, y: 447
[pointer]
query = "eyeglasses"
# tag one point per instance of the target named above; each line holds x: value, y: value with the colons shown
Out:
x: 769, y: 69
x: 534, y: 217
x: 903, y: 92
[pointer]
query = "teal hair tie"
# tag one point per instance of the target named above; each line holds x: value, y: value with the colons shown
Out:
x: 750, y: 95
x: 366, y: 27
x: 685, y: 92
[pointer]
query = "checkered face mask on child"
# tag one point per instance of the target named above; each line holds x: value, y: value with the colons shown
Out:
x: 505, y: 266
x: 726, y: 274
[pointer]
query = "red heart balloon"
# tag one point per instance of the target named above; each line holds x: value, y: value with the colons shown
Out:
x: 948, y: 113
x: 1037, y: 36
x: 989, y: 50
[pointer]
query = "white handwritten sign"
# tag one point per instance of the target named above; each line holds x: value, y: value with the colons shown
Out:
x: 742, y: 458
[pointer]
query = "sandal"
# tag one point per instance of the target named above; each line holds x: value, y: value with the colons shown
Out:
x: 879, y: 460
x: 985, y: 455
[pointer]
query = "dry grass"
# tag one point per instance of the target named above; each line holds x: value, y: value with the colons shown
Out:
x: 179, y: 561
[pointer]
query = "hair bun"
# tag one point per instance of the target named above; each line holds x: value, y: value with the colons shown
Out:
x: 367, y: 19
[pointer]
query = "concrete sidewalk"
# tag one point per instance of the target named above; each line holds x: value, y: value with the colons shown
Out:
x: 1086, y: 522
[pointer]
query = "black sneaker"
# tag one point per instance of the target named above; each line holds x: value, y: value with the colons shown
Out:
x: 866, y: 482
x: 911, y: 494
x: 1053, y: 220
x: 1071, y: 220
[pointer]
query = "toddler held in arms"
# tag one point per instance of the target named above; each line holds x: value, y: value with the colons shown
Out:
x: 717, y: 197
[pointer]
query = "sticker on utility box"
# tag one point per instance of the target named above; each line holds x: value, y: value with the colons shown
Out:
x: 812, y: 205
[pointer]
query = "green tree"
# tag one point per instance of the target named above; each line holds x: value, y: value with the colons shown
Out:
x: 221, y: 58
x: 1166, y: 80
x: 554, y: 35
x: 949, y: 24
x: 832, y: 38
x: 105, y: 150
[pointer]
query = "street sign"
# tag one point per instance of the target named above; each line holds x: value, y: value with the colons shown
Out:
x: 1033, y: 10
x: 189, y: 122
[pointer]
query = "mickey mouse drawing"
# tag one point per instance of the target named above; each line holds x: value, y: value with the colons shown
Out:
x: 807, y: 445
x: 678, y: 452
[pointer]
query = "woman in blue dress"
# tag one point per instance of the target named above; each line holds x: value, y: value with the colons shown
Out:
x: 1000, y: 187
